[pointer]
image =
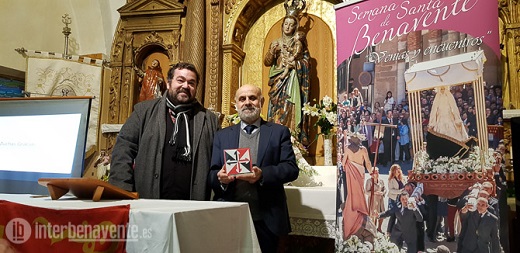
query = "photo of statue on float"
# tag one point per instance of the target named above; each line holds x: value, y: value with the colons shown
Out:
x: 441, y: 132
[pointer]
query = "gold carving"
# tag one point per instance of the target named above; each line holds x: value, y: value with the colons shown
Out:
x: 212, y: 74
x: 129, y: 38
x: 128, y: 57
x: 117, y: 47
x: 176, y: 38
x: 152, y: 38
x: 229, y: 6
x: 113, y: 105
x: 230, y: 21
x: 238, y: 35
x: 124, y: 103
x: 510, y: 41
x: 194, y: 51
x: 226, y: 84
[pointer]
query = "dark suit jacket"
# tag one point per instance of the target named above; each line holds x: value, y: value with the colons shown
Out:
x: 389, y: 130
x: 480, y: 236
x: 277, y: 161
x: 406, y: 225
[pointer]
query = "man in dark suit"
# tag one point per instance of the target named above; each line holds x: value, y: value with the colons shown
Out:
x: 273, y: 162
x: 410, y: 189
x: 390, y: 137
x: 481, y: 232
x: 405, y: 229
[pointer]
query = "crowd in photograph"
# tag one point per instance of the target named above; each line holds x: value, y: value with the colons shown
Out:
x: 357, y: 115
x: 472, y: 220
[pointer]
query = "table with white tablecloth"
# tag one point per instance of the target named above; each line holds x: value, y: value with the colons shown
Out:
x: 312, y: 210
x: 311, y: 201
x: 174, y: 225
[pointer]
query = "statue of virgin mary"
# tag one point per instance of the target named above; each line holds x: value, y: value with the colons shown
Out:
x: 447, y: 135
x: 288, y: 94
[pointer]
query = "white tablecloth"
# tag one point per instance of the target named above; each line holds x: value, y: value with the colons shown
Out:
x: 312, y: 210
x: 175, y: 226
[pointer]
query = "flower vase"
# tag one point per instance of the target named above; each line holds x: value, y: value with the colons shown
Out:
x: 327, y: 150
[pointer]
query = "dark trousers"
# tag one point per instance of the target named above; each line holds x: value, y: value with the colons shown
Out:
x: 404, y: 152
x: 420, y: 236
x: 391, y: 220
x: 431, y: 221
x: 389, y: 145
x: 411, y: 245
x: 268, y: 240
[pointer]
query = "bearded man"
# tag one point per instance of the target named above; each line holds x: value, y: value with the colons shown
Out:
x: 164, y: 147
x: 274, y: 164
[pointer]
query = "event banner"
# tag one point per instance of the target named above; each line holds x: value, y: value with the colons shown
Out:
x: 420, y: 105
x: 35, y: 229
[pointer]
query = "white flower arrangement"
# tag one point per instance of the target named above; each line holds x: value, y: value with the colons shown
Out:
x: 354, y: 244
x: 442, y: 165
x: 326, y: 111
x: 383, y: 245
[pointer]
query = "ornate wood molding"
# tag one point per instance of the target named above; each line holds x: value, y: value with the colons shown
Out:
x: 214, y: 56
x: 233, y: 58
x: 194, y: 51
x: 509, y: 14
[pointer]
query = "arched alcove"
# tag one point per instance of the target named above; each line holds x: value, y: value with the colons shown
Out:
x: 247, y: 45
x: 143, y: 60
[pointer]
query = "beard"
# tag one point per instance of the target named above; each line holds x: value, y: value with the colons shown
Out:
x: 177, y: 98
x: 249, y: 114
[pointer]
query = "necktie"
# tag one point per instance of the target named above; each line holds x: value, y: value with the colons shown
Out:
x: 249, y: 128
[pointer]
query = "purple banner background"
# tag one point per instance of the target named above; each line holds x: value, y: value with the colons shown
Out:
x: 370, y: 22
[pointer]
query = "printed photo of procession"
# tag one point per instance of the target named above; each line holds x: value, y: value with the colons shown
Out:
x: 421, y: 146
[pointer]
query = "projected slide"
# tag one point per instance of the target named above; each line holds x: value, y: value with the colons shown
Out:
x: 38, y: 143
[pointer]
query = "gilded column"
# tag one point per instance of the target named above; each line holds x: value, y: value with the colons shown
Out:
x: 194, y: 43
x: 509, y: 14
x: 213, y: 93
x: 233, y: 58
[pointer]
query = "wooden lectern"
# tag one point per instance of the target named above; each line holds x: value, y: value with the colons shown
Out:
x: 85, y: 188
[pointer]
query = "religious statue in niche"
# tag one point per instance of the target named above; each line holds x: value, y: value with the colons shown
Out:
x: 152, y: 81
x: 289, y: 62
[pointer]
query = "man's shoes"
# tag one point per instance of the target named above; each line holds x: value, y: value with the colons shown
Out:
x: 432, y: 239
x: 450, y: 239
